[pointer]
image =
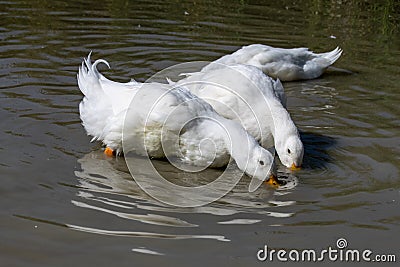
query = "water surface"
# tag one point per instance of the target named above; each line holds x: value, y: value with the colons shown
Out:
x: 64, y: 203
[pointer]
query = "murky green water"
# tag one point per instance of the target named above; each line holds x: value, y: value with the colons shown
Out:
x: 63, y: 203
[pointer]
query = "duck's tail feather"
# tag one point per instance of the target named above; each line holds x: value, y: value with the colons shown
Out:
x: 333, y: 55
x: 88, y: 75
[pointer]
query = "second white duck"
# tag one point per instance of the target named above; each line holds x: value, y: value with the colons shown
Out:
x: 284, y: 64
x: 245, y: 94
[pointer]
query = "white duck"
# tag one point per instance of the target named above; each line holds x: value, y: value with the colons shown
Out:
x: 105, y: 105
x: 284, y: 64
x: 245, y: 94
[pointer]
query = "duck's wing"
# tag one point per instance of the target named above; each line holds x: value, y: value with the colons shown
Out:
x: 284, y: 64
x: 120, y: 95
x: 244, y: 55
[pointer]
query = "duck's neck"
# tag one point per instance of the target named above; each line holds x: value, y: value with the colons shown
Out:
x: 283, y: 125
x: 239, y: 143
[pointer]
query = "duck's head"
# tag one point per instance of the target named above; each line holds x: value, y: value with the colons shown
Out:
x: 261, y: 165
x: 291, y: 152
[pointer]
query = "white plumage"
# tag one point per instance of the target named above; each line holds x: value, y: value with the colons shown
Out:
x: 184, y: 120
x: 285, y: 64
x: 245, y: 94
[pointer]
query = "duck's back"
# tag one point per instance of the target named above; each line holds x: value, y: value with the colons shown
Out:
x: 241, y: 93
x: 160, y: 114
x: 285, y: 64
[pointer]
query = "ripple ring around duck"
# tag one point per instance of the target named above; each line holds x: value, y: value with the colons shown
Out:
x: 150, y: 179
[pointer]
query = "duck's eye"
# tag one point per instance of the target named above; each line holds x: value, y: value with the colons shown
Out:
x: 261, y: 162
x: 288, y: 150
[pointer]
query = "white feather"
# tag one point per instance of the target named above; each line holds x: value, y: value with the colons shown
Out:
x: 106, y: 110
x: 245, y: 94
x: 285, y: 64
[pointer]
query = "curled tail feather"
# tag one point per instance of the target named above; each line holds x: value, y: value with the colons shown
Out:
x: 333, y: 55
x: 88, y: 74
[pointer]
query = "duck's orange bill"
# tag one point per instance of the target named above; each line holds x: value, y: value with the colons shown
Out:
x: 273, y: 180
x: 109, y: 152
x: 295, y: 168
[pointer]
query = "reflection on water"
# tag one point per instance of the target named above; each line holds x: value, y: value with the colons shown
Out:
x: 147, y: 251
x: 348, y: 118
x: 142, y: 234
x: 104, y: 175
